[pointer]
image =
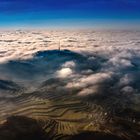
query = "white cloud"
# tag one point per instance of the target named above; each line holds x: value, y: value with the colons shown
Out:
x: 120, y: 62
x: 88, y: 91
x: 93, y: 79
x: 69, y: 64
x: 64, y: 73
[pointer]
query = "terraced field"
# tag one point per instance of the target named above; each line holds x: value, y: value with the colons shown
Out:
x: 66, y: 115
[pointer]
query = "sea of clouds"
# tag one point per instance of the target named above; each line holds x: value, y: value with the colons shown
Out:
x: 93, y: 63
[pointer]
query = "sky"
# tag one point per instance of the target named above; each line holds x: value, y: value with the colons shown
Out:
x: 69, y: 13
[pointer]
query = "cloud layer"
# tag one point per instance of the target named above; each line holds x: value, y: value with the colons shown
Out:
x: 104, y: 56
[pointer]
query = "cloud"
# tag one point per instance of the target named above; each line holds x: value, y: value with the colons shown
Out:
x: 92, y: 79
x: 112, y: 61
x: 88, y: 84
x: 88, y: 91
x: 126, y: 79
x: 118, y: 62
x: 64, y: 72
x: 69, y: 64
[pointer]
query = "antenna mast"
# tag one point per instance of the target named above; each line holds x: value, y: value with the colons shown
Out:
x: 59, y: 46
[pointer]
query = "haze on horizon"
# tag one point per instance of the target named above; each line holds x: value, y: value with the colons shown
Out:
x: 70, y: 13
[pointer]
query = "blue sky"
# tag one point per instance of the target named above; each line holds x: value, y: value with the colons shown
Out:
x: 57, y: 13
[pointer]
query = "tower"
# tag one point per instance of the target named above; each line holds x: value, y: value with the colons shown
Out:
x: 59, y: 47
